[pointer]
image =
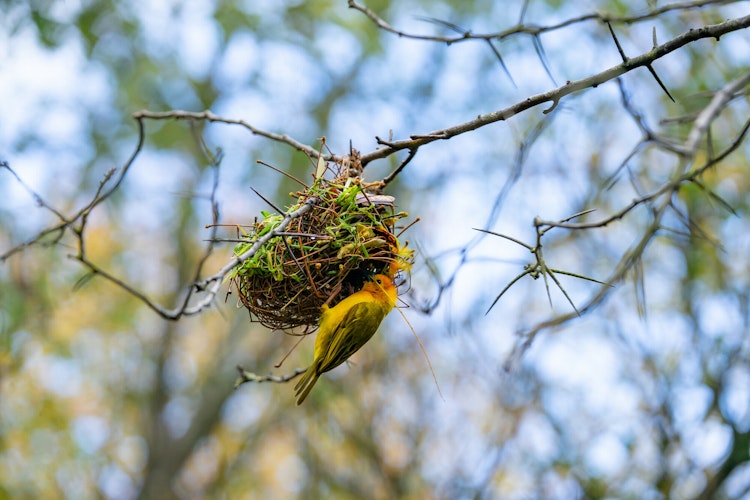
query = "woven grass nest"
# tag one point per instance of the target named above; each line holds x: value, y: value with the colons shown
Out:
x: 322, y: 256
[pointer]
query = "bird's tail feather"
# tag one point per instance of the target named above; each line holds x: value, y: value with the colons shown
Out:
x: 305, y: 384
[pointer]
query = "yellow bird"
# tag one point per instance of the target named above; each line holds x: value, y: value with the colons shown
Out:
x: 346, y: 327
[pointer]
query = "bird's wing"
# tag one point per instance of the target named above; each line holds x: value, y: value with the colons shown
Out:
x: 355, y: 329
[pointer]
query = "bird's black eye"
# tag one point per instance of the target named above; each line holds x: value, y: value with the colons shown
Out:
x: 379, y: 281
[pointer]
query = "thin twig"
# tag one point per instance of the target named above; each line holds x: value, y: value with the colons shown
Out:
x: 246, y: 376
x: 208, y: 116
x: 104, y: 191
x: 392, y: 175
x: 533, y: 29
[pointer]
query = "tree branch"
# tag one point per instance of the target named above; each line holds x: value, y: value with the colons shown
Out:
x: 630, y: 258
x: 533, y: 29
x: 555, y: 95
x: 208, y: 116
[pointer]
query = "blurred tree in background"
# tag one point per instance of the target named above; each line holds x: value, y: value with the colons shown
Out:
x: 646, y: 394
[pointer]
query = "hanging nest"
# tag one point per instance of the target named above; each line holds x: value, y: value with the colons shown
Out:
x: 322, y: 256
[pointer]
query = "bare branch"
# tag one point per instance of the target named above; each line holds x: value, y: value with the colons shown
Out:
x: 101, y: 194
x: 533, y: 29
x: 632, y: 257
x: 539, y: 267
x: 555, y: 95
x: 208, y: 116
x: 412, y: 153
x: 246, y: 376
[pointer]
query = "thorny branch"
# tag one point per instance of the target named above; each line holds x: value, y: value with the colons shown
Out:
x: 660, y: 201
x: 554, y: 96
x: 208, y: 287
x: 533, y: 29
x: 515, y: 171
x: 539, y: 267
x: 414, y: 142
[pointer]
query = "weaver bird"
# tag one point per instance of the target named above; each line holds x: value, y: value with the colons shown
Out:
x: 346, y: 327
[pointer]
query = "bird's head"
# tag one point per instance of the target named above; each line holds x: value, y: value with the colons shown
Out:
x: 382, y: 287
